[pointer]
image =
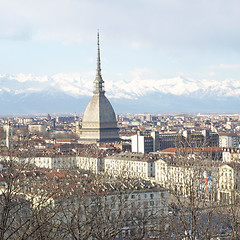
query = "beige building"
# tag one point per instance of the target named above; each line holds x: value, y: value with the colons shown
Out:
x: 52, y: 162
x: 33, y: 128
x: 142, y: 144
x: 187, y: 176
x: 77, y: 202
x: 229, y: 183
x: 231, y: 155
x: 134, y: 165
x: 139, y: 204
x: 94, y: 164
x: 228, y: 140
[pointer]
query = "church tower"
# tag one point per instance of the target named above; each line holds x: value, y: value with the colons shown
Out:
x: 99, y: 120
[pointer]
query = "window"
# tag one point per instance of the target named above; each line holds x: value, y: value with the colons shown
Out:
x: 151, y: 195
x: 151, y: 203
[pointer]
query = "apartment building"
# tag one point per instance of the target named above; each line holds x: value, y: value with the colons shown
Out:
x: 135, y: 165
x: 231, y: 155
x: 184, y: 176
x: 229, y: 183
x: 228, y: 140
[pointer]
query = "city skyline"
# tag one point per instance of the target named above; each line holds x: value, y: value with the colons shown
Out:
x: 161, y: 53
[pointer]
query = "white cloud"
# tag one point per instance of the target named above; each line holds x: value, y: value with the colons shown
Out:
x: 226, y: 66
x: 137, y: 23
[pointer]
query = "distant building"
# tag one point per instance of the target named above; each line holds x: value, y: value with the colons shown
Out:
x: 9, y: 136
x: 194, y: 138
x: 228, y: 140
x: 130, y: 204
x: 34, y: 128
x: 51, y: 162
x: 142, y: 144
x: 181, y: 175
x: 229, y: 183
x: 149, y: 117
x: 66, y: 141
x: 203, y: 138
x: 206, y: 153
x: 48, y: 117
x: 170, y: 140
x: 130, y: 165
x: 99, y: 121
x: 27, y: 120
x: 65, y: 119
x: 213, y: 140
x: 156, y: 142
x: 231, y: 155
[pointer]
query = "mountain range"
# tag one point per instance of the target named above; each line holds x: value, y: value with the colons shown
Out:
x: 65, y: 94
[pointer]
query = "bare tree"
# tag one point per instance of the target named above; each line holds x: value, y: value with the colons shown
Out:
x: 25, y: 211
x: 111, y: 210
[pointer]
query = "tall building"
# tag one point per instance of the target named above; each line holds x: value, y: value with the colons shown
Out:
x: 228, y: 140
x: 9, y: 135
x: 141, y: 143
x: 99, y: 121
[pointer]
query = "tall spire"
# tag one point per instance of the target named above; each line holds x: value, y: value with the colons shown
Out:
x: 98, y: 83
x: 98, y: 56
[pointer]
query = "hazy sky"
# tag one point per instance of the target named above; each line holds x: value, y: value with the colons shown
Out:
x: 140, y: 39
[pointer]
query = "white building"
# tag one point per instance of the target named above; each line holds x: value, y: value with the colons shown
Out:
x: 228, y: 140
x: 32, y: 128
x: 184, y: 176
x: 9, y: 136
x: 173, y: 176
x: 142, y: 144
x: 156, y: 142
x: 130, y: 204
x: 52, y: 162
x: 130, y: 165
x: 231, y: 155
x: 229, y: 183
x: 89, y: 163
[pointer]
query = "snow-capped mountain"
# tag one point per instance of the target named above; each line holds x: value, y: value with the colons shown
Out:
x: 68, y: 93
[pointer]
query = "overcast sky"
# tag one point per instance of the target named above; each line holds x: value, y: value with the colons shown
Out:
x: 143, y: 40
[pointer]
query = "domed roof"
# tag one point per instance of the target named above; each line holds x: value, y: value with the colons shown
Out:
x: 99, y: 110
x: 99, y: 120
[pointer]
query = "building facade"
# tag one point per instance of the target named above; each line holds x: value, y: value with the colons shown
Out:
x: 188, y: 177
x: 231, y: 155
x: 130, y: 165
x: 228, y: 140
x: 229, y: 183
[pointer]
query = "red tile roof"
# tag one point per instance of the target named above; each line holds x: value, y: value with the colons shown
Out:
x: 190, y: 150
